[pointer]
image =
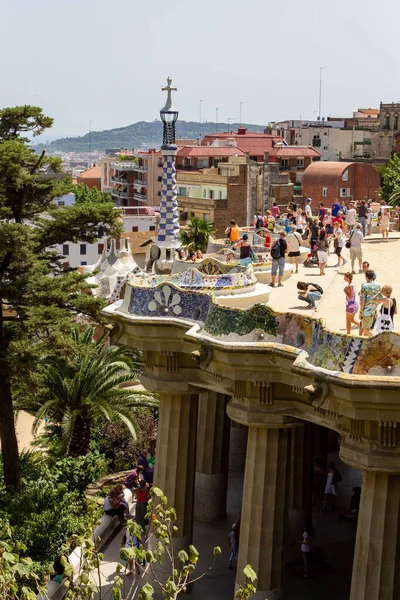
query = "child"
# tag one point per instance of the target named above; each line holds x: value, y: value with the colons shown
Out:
x: 131, y: 541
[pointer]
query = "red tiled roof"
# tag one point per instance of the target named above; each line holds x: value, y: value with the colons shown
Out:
x: 209, y: 151
x: 92, y: 173
x: 294, y: 151
x: 251, y: 142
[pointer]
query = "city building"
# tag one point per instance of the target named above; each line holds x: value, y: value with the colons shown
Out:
x: 328, y: 181
x: 91, y: 177
x: 133, y: 178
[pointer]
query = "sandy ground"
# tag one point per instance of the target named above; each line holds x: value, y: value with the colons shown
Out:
x: 381, y: 256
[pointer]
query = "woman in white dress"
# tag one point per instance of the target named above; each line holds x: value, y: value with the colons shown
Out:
x: 332, y: 479
x: 385, y: 224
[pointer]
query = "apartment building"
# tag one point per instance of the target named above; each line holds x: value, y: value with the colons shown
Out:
x: 133, y: 178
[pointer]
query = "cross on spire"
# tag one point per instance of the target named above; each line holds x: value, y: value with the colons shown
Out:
x: 168, y: 88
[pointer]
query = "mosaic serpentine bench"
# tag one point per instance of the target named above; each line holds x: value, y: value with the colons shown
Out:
x: 319, y: 347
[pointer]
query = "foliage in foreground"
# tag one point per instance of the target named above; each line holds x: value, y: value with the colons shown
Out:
x: 18, y: 580
x: 51, y: 506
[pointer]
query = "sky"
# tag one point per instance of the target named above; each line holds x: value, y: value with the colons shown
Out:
x: 105, y: 61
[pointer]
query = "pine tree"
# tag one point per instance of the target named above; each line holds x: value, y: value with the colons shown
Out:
x: 38, y: 299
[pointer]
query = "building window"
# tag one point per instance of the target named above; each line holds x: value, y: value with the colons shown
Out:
x: 345, y: 176
x: 100, y: 248
x: 387, y: 121
x: 324, y: 192
x: 152, y: 228
x: 83, y: 249
x: 325, y: 147
x: 325, y: 133
x: 300, y: 163
x: 182, y: 191
x: 204, y: 193
x: 66, y: 266
x: 211, y: 194
x: 344, y: 192
x: 65, y: 249
x: 206, y: 217
x: 396, y: 122
x: 192, y: 215
x: 135, y: 228
x: 83, y: 263
x: 284, y: 164
x: 220, y: 195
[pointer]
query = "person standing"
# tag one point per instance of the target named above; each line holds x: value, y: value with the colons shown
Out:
x: 246, y: 251
x: 278, y: 252
x: 351, y: 217
x: 369, y: 289
x: 338, y: 243
x: 322, y: 251
x: 327, y: 223
x: 308, y: 211
x: 232, y: 232
x: 351, y: 302
x: 385, y: 225
x: 385, y: 321
x: 314, y: 233
x: 332, y: 479
x: 142, y: 499
x: 355, y: 240
x: 300, y: 221
x: 335, y: 208
x: 294, y: 242
x: 275, y: 210
x: 362, y: 215
x: 321, y: 213
x: 369, y: 220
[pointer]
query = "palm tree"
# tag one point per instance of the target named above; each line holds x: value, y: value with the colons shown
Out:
x: 93, y: 383
x: 196, y: 234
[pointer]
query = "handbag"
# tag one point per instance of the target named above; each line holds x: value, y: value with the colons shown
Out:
x: 348, y: 243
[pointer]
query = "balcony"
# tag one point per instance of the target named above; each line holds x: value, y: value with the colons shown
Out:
x: 121, y: 180
x: 140, y: 182
x: 124, y: 165
x: 119, y: 193
x: 140, y: 197
x: 316, y: 143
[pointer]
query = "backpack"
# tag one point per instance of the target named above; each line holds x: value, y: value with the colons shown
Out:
x: 259, y: 223
x: 276, y: 250
x: 317, y: 287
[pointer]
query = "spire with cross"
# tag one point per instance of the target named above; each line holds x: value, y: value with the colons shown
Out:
x: 168, y: 88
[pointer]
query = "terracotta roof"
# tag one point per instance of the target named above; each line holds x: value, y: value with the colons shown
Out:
x: 209, y: 151
x: 329, y: 170
x: 251, y: 142
x: 369, y: 111
x: 294, y: 151
x: 92, y: 173
x: 139, y: 240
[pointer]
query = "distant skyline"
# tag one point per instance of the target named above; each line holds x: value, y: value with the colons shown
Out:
x: 86, y: 60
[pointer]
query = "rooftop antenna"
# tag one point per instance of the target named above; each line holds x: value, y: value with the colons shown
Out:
x: 90, y: 142
x: 320, y: 92
x: 201, y: 102
x: 216, y: 119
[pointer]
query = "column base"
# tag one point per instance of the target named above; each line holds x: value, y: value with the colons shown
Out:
x: 210, y: 496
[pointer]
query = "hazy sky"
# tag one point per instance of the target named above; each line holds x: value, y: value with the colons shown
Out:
x: 105, y: 60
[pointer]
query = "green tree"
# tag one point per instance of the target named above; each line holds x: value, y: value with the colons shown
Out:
x: 84, y: 195
x: 38, y: 300
x: 88, y: 385
x: 390, y: 177
x: 196, y: 234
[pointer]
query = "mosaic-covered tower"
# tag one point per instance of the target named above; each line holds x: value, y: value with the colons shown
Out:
x: 168, y: 227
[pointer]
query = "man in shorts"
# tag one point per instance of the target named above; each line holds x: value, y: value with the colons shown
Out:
x: 278, y: 263
x: 356, y: 238
x: 369, y: 289
x: 308, y: 211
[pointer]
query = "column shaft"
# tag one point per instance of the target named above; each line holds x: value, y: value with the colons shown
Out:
x: 175, y: 458
x: 376, y: 567
x: 264, y: 510
x: 300, y: 486
x: 212, y: 457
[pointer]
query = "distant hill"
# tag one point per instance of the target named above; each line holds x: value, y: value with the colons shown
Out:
x: 139, y: 135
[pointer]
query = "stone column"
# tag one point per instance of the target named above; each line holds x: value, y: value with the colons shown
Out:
x: 376, y: 567
x: 264, y: 509
x: 300, y: 484
x: 212, y: 457
x: 237, y: 446
x: 175, y: 459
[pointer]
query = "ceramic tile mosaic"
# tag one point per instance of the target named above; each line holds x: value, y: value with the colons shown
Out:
x: 169, y: 301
